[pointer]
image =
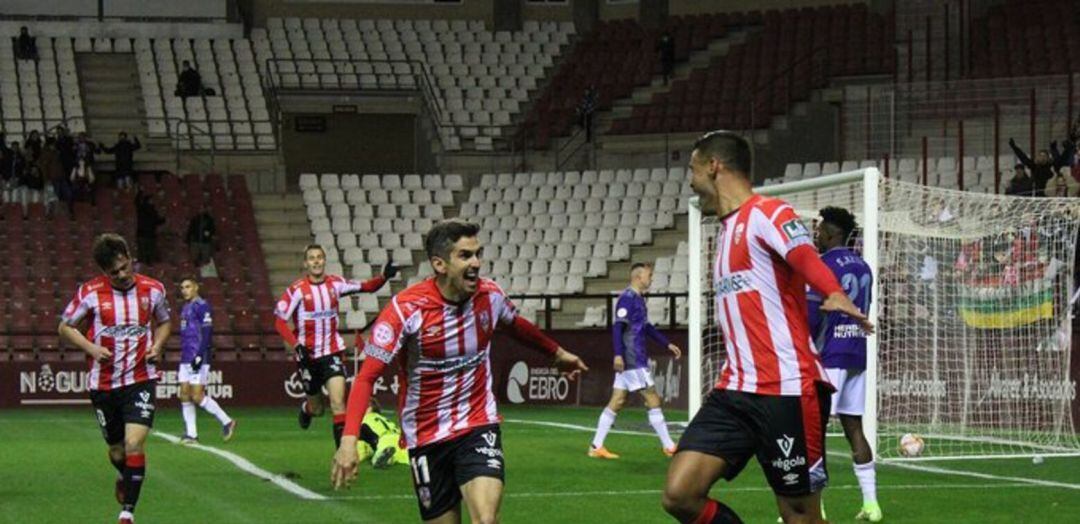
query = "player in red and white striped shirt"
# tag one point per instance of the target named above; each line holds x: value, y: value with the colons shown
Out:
x: 439, y: 331
x: 311, y: 304
x: 121, y: 344
x: 772, y: 399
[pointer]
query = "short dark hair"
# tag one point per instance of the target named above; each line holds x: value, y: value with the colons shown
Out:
x: 191, y: 278
x: 309, y: 247
x: 442, y: 236
x: 107, y: 248
x: 728, y: 147
x: 639, y: 265
x: 839, y: 218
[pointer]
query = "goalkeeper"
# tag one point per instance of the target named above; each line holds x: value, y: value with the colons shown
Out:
x: 380, y: 439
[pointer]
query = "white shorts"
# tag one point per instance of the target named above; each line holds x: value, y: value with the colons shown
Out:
x: 187, y: 377
x: 850, y: 396
x: 633, y: 379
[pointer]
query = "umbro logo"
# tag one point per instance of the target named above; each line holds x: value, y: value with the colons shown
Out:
x: 106, y: 305
x: 786, y: 444
x: 494, y: 464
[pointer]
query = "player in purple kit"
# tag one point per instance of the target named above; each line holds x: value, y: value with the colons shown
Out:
x: 842, y: 344
x: 196, y: 328
x: 629, y: 331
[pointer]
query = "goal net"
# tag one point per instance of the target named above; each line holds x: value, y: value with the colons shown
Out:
x: 973, y: 297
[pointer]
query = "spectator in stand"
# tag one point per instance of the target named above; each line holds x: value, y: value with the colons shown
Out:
x: 147, y: 220
x: 82, y: 175
x: 13, y: 172
x: 25, y: 47
x: 190, y: 82
x: 53, y: 173
x: 5, y: 173
x: 65, y: 145
x: 200, y: 236
x: 32, y: 186
x: 1042, y: 169
x: 32, y: 145
x: 1020, y: 184
x: 1059, y: 186
x: 124, y: 151
x: 666, y: 48
x: 586, y: 110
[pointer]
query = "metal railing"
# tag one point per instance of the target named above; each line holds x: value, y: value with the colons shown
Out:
x: 609, y: 299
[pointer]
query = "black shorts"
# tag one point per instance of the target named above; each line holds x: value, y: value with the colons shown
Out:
x: 318, y: 371
x: 132, y: 404
x: 440, y: 469
x: 786, y: 434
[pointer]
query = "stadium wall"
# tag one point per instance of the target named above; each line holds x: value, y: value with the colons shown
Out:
x: 349, y: 143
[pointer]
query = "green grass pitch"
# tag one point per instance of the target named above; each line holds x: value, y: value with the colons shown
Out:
x: 55, y: 470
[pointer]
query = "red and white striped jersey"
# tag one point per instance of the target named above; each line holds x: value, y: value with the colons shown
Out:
x: 122, y: 322
x: 313, y: 310
x: 445, y: 364
x: 761, y: 301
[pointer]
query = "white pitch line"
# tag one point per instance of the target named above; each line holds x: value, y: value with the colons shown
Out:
x: 973, y: 474
x: 246, y: 466
x: 746, y: 489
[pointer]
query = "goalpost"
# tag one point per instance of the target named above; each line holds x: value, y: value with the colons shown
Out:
x: 972, y: 301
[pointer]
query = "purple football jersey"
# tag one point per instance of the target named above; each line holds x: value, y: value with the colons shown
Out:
x: 838, y: 337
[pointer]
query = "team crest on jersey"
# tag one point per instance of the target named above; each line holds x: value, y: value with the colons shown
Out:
x: 485, y: 319
x: 383, y: 334
x: 794, y: 228
x: 144, y: 303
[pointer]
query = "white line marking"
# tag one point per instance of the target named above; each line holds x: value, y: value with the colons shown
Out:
x: 943, y: 471
x: 977, y: 457
x: 248, y: 467
x: 54, y: 402
x: 747, y: 489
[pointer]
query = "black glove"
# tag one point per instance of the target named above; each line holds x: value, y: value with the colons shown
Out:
x: 389, y: 270
x: 301, y: 354
x: 196, y: 363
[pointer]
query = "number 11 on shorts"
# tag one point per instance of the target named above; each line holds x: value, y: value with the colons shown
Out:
x: 420, y: 470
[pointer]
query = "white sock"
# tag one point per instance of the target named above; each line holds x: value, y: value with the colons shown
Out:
x: 867, y: 481
x: 211, y: 406
x: 656, y: 420
x: 188, y: 410
x: 607, y: 419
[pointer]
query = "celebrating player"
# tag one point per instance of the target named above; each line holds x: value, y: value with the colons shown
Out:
x: 121, y: 344
x: 311, y: 303
x: 439, y: 331
x: 631, y: 364
x: 842, y: 343
x: 196, y: 329
x: 771, y: 401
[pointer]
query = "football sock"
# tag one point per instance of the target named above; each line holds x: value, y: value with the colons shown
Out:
x: 607, y: 419
x: 134, y: 472
x: 211, y: 406
x: 188, y: 411
x: 369, y: 436
x: 867, y: 481
x: 656, y: 420
x: 339, y: 428
x: 716, y: 512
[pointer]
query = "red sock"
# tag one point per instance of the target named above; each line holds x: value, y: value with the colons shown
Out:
x: 707, y: 513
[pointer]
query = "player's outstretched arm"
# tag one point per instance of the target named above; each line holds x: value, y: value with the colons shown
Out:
x: 346, y: 460
x: 570, y: 364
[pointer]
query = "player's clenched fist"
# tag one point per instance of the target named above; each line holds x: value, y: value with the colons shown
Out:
x: 344, y: 468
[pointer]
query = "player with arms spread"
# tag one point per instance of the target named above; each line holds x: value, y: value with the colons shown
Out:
x: 629, y: 331
x: 311, y: 303
x: 772, y: 399
x: 196, y: 332
x: 843, y: 345
x: 439, y: 332
x: 122, y: 343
